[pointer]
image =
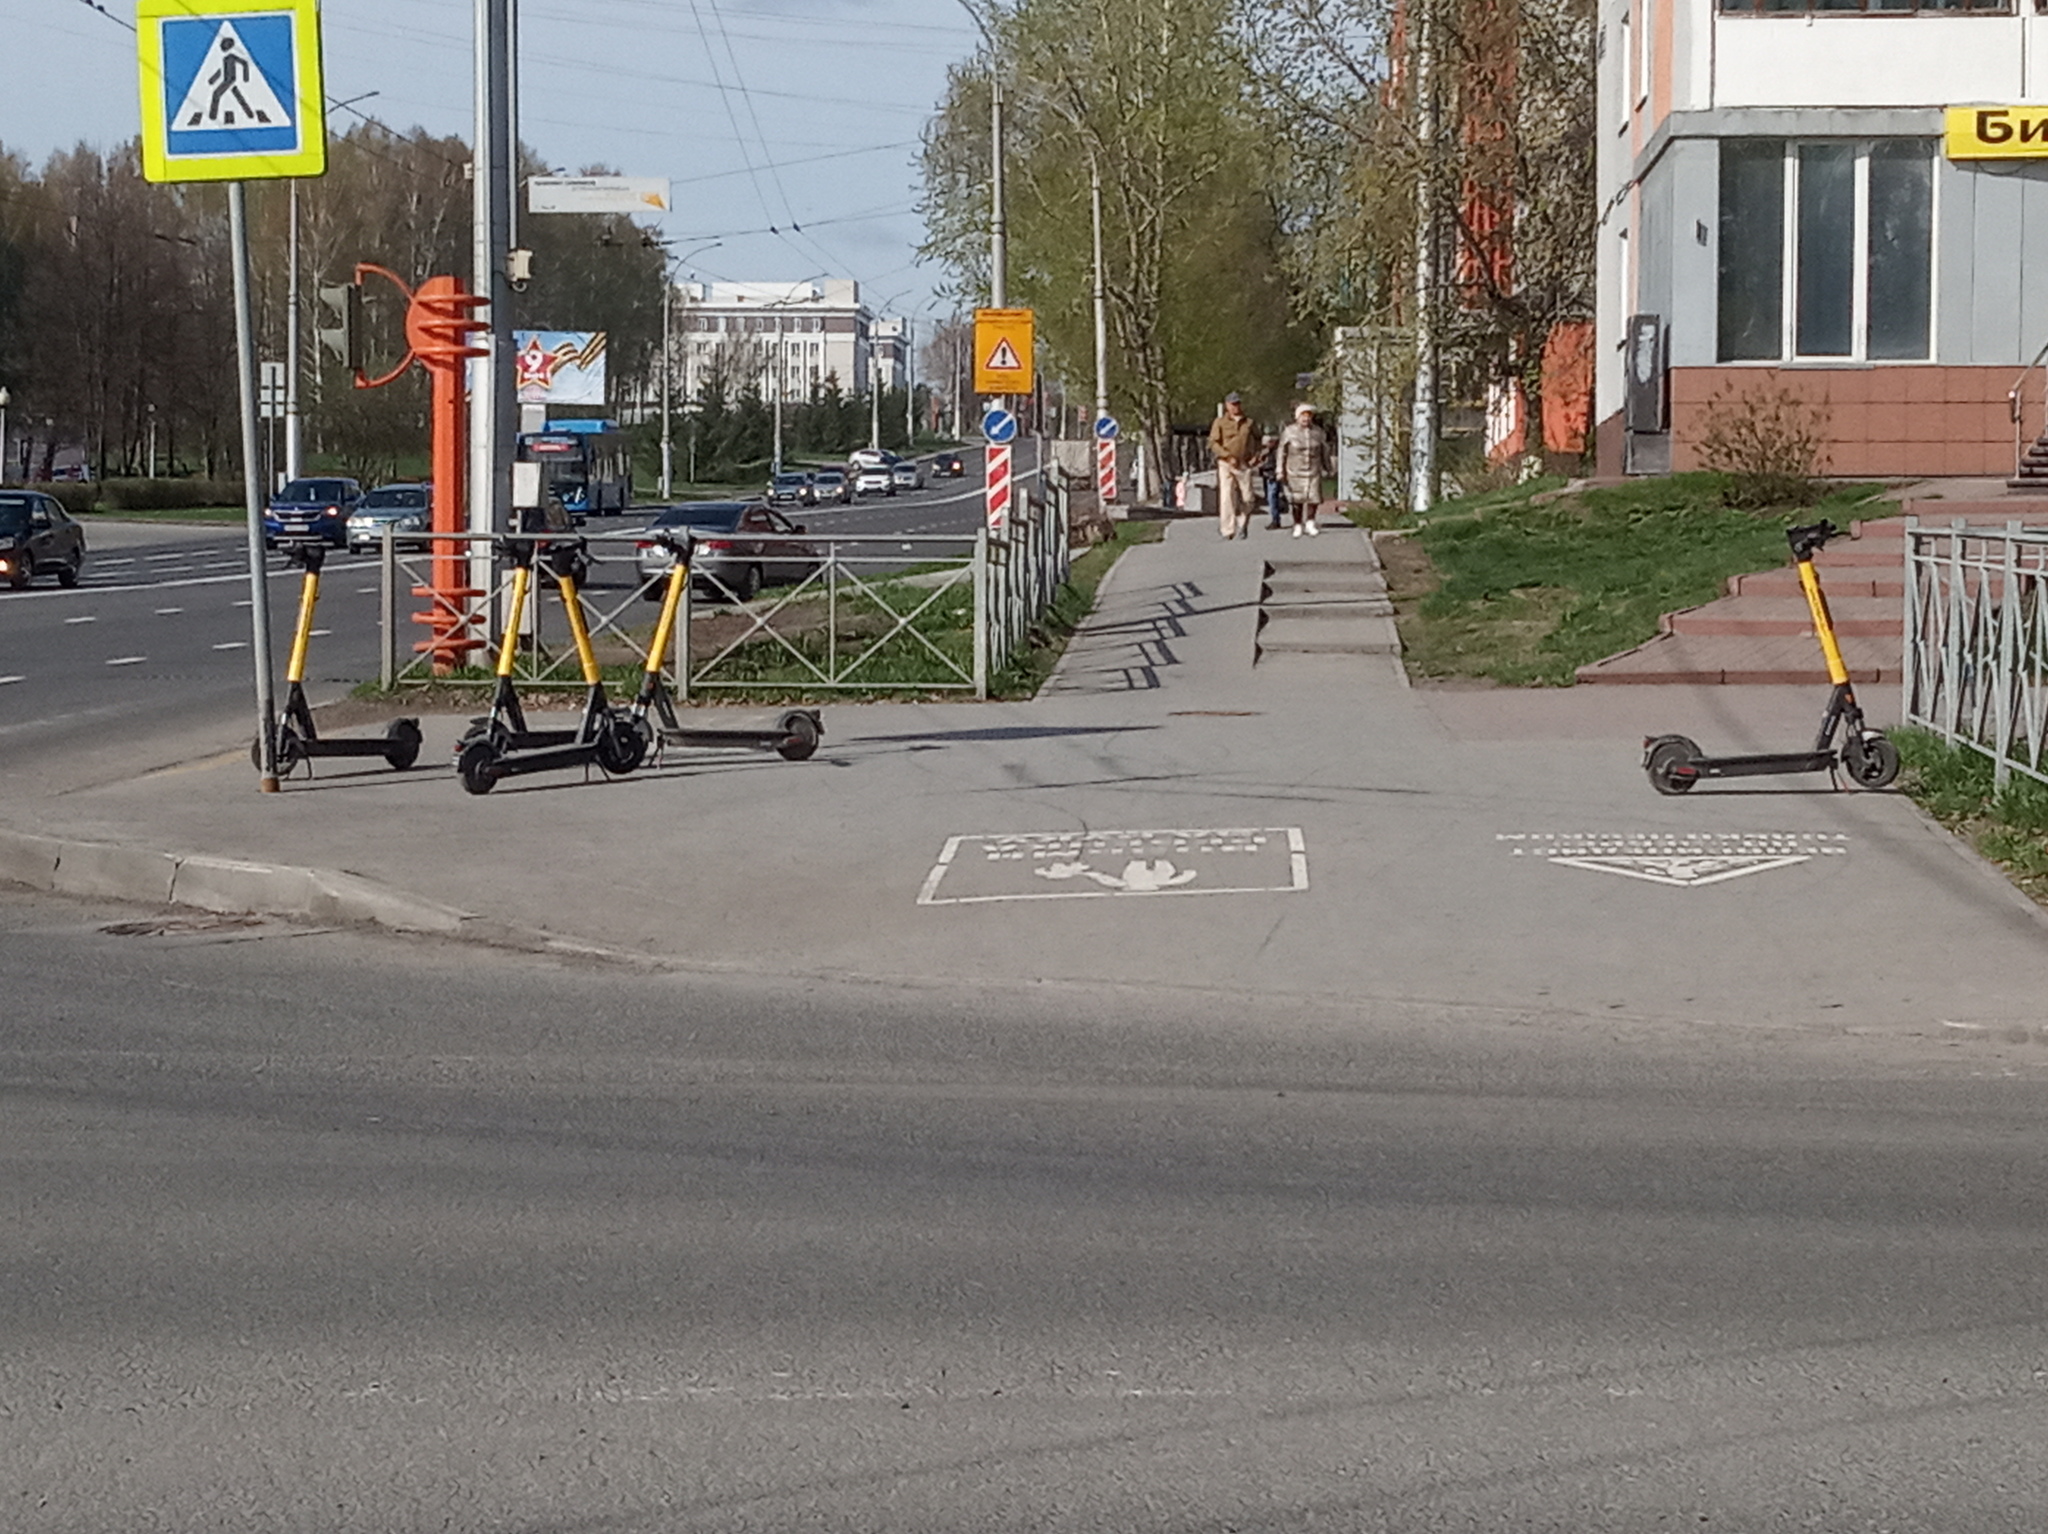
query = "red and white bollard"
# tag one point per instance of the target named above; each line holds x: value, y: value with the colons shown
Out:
x: 998, y: 482
x: 1105, y: 470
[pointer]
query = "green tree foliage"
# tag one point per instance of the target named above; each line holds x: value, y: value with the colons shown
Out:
x: 1151, y: 93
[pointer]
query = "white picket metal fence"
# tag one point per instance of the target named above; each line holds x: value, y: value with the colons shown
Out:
x: 1976, y: 658
x: 872, y: 613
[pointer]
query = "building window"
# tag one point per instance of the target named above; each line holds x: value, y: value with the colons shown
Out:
x: 1826, y: 250
x: 1866, y: 7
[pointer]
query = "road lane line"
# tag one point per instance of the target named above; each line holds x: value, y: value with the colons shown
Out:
x: 128, y: 660
x: 165, y: 612
x: 245, y: 602
x: 319, y: 633
x: 4, y: 680
x: 233, y: 644
x: 88, y: 618
x: 101, y: 559
x: 287, y: 573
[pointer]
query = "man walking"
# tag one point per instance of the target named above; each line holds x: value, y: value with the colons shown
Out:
x: 1234, y: 440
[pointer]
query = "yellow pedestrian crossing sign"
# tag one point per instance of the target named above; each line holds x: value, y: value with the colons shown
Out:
x: 231, y: 89
x: 1004, y: 351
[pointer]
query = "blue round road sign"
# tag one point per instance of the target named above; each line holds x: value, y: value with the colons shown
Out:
x: 999, y: 426
x: 1106, y: 428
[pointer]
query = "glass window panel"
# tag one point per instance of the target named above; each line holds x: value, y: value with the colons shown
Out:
x: 1901, y: 247
x: 1752, y: 254
x: 1825, y: 305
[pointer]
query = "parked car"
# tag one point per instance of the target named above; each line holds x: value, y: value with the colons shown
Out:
x: 38, y: 537
x: 874, y: 479
x: 791, y: 490
x: 831, y: 485
x: 402, y: 508
x: 309, y: 509
x: 949, y: 466
x: 741, y: 547
x: 907, y: 473
x: 870, y: 457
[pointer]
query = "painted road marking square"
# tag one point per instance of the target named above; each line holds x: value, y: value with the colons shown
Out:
x: 1681, y: 859
x: 1098, y: 865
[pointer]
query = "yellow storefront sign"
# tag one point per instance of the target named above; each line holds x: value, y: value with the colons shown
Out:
x: 1998, y: 133
x: 1004, y: 351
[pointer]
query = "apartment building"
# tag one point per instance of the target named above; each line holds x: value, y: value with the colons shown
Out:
x: 791, y: 337
x: 1843, y: 199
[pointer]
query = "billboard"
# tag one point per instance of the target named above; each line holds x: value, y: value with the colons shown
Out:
x: 597, y: 194
x: 558, y: 367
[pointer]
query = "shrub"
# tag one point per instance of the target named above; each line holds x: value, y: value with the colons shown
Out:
x: 1768, y: 444
x: 74, y: 498
x: 168, y: 494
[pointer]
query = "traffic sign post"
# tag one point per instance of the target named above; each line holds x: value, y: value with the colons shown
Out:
x: 1005, y: 350
x: 1105, y: 469
x: 999, y: 426
x: 231, y: 91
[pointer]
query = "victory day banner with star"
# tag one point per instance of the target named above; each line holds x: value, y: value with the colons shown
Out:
x: 559, y: 367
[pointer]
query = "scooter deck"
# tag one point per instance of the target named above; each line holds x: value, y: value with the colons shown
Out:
x: 1764, y: 764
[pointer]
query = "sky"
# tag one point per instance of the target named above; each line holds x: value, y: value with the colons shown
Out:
x: 796, y: 116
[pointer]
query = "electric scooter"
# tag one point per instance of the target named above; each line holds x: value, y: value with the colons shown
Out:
x: 298, y: 740
x: 502, y: 745
x: 1863, y: 755
x: 796, y: 734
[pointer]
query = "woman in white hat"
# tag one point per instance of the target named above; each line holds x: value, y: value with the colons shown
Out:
x: 1301, y: 463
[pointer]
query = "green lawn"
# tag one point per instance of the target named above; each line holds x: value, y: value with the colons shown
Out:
x: 1524, y: 586
x: 1955, y: 785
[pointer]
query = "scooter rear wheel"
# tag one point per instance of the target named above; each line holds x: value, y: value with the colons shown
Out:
x: 1870, y: 761
x: 1666, y: 758
x: 800, y: 737
x: 621, y: 746
x: 477, y: 764
x: 402, y: 744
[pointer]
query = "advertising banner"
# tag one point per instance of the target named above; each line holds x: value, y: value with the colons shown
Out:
x: 1998, y: 133
x: 597, y: 194
x: 559, y: 367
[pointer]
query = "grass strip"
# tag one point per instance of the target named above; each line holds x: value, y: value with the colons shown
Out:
x: 2007, y: 824
x: 1523, y: 586
x: 194, y: 516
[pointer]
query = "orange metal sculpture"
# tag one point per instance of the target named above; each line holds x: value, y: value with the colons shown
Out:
x: 439, y: 320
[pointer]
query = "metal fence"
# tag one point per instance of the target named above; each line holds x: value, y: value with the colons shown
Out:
x: 913, y: 613
x: 1976, y: 661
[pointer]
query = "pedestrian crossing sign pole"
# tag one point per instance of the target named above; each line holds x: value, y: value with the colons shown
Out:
x: 231, y: 89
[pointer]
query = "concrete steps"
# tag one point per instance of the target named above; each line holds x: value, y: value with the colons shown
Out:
x: 1326, y: 597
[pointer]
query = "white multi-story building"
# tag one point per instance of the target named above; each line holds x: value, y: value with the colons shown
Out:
x: 1782, y: 209
x: 788, y: 337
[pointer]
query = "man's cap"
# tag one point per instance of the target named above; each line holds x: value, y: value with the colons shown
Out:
x: 1233, y: 398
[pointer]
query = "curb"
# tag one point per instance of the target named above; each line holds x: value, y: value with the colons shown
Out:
x: 103, y: 870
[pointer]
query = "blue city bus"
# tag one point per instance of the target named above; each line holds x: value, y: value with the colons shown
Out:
x: 589, y: 464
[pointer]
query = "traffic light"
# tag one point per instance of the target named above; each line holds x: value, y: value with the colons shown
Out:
x: 342, y: 335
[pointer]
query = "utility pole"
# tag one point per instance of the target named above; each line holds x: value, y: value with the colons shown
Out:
x: 1101, y: 310
x: 253, y: 495
x: 910, y: 384
x: 668, y: 287
x: 491, y: 405
x: 874, y: 395
x: 293, y: 464
x: 780, y: 358
x: 1422, y: 466
x: 998, y: 229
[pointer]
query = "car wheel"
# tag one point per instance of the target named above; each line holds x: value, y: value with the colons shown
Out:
x: 20, y: 576
x: 67, y: 577
x: 749, y: 585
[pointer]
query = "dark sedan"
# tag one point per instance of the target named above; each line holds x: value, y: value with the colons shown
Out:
x: 949, y: 466
x: 38, y: 537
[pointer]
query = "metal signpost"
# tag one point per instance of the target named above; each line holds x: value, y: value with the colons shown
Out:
x: 1000, y: 428
x: 231, y: 91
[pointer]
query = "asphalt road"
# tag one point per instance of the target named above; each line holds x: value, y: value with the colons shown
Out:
x: 334, y: 1233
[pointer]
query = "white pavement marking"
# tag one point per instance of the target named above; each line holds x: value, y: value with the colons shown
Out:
x: 88, y: 618
x: 4, y: 680
x: 128, y: 660
x: 319, y: 633
x: 1095, y: 865
x: 197, y: 580
x: 165, y: 612
x: 233, y: 644
x: 101, y: 559
x: 1680, y: 859
x: 244, y: 602
x: 368, y: 591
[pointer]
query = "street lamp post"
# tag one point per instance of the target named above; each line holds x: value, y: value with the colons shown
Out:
x: 4, y: 397
x: 668, y: 285
x: 998, y: 241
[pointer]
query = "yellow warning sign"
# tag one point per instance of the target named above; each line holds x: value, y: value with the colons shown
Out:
x: 1004, y: 351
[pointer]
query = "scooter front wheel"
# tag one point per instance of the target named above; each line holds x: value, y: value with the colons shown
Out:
x: 477, y: 764
x: 621, y: 744
x: 800, y: 736
x: 1871, y: 761
x: 402, y: 744
x: 1670, y: 765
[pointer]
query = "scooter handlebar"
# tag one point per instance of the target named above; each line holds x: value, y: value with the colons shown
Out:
x: 1808, y: 540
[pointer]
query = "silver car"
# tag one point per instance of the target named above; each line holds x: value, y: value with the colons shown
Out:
x: 741, y: 547
x: 403, y: 508
x: 908, y: 473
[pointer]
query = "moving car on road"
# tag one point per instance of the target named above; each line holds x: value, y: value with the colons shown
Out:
x: 741, y: 547
x: 311, y: 510
x: 907, y: 473
x: 949, y: 466
x: 38, y: 537
x: 870, y: 457
x: 874, y: 479
x: 831, y: 485
x: 792, y: 489
x: 402, y: 508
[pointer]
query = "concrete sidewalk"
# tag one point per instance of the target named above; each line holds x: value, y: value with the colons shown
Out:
x: 1179, y: 810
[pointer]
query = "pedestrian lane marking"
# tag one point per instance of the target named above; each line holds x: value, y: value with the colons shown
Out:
x: 1096, y: 865
x: 128, y: 660
x: 101, y: 560
x: 1680, y: 859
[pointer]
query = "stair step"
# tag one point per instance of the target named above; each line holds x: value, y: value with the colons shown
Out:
x: 1751, y: 660
x: 1785, y: 582
x: 1784, y: 613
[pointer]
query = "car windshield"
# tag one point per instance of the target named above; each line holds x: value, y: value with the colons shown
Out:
x: 395, y: 497
x: 788, y: 481
x: 712, y: 518
x: 14, y: 514
x: 313, y: 490
x: 830, y: 477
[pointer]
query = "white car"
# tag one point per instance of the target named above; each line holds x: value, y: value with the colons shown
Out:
x: 870, y: 457
x: 874, y: 479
